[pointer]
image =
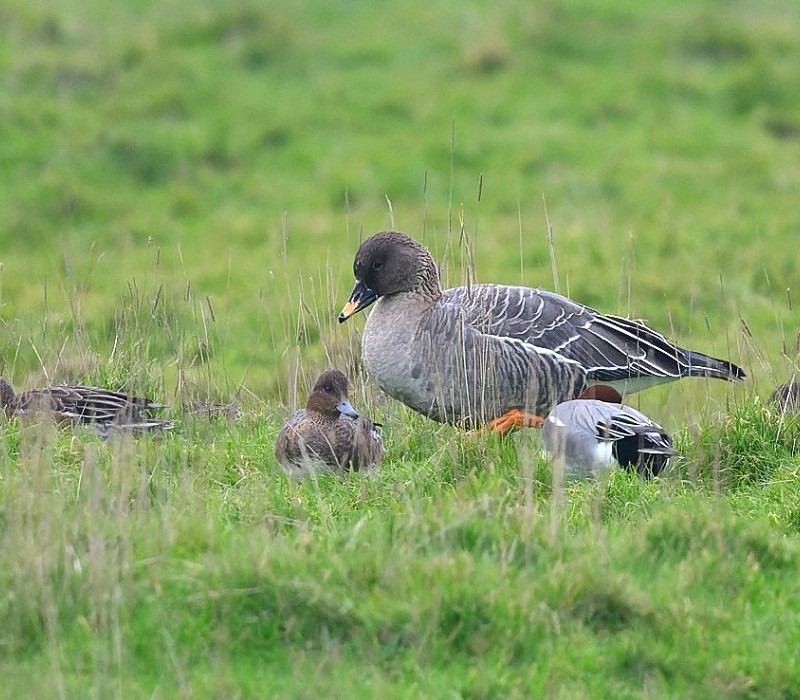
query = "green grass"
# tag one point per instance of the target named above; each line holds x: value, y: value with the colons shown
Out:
x: 182, y: 189
x: 189, y: 564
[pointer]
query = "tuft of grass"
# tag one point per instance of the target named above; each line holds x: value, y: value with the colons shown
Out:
x: 753, y: 444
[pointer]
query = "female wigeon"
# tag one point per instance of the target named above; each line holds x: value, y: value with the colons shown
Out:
x: 77, y: 404
x: 328, y: 435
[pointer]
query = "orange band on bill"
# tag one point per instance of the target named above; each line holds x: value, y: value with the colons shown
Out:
x: 349, y: 309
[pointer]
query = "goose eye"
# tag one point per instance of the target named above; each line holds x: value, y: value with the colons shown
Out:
x: 377, y: 264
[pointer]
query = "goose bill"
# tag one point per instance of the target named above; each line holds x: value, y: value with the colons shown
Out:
x: 361, y: 297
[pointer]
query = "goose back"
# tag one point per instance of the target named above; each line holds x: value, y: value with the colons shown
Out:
x: 612, y: 349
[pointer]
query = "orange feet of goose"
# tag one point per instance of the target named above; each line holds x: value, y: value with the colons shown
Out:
x: 513, y: 420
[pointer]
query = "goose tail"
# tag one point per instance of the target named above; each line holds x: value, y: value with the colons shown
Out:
x: 700, y: 365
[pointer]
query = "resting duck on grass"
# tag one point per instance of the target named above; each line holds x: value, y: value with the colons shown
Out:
x: 787, y: 397
x: 496, y: 354
x: 328, y: 435
x: 590, y: 432
x: 83, y: 404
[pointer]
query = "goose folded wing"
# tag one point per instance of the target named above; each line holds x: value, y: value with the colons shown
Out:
x: 609, y: 347
x: 497, y: 369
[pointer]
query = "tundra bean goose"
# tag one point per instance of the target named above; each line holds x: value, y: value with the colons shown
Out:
x: 492, y: 353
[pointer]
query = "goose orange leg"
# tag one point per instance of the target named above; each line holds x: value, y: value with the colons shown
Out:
x: 513, y: 420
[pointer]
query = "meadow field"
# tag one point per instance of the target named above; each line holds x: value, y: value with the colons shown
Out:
x: 183, y: 186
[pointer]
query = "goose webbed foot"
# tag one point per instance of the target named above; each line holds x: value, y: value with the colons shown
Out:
x: 514, y: 420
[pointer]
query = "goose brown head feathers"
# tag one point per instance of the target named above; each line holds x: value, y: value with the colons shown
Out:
x: 391, y: 263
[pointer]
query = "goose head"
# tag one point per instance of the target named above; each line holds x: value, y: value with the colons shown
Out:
x: 391, y: 263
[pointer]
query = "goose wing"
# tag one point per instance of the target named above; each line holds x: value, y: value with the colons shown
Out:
x: 485, y: 371
x: 610, y: 348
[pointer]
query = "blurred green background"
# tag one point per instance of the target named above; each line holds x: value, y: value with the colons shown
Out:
x: 183, y: 184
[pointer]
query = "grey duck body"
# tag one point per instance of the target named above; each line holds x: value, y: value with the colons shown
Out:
x: 588, y: 434
x: 328, y: 435
x: 468, y: 355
